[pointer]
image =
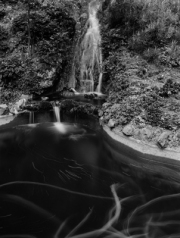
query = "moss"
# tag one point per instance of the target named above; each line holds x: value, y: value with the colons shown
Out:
x: 78, y: 109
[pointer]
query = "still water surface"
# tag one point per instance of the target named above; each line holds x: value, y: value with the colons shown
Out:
x: 69, y: 180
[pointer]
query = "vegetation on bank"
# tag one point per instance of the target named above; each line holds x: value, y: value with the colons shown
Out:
x: 150, y: 27
x: 141, y: 61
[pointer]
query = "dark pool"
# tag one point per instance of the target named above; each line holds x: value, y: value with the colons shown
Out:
x: 72, y: 180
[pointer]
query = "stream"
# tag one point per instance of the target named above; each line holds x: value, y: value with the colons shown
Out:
x: 62, y: 179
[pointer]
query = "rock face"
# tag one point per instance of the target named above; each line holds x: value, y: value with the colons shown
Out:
x: 128, y: 130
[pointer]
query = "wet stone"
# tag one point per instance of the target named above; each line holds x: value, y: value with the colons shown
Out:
x: 146, y: 133
x: 128, y: 130
x: 111, y: 123
x: 163, y: 139
x: 3, y: 108
x: 100, y: 113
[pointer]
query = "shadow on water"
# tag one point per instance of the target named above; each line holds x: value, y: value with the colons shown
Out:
x: 67, y: 180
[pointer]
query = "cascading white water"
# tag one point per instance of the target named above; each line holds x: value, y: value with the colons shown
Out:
x: 91, y: 59
x: 31, y: 117
x: 57, y: 113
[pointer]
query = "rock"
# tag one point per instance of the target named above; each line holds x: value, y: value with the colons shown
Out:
x: 101, y: 121
x: 146, y: 133
x: 163, y: 139
x: 27, y: 97
x: 136, y: 132
x: 177, y: 96
x: 111, y: 123
x: 3, y: 108
x: 21, y: 103
x: 100, y: 113
x: 44, y: 98
x: 18, y: 106
x: 106, y: 105
x: 14, y: 110
x: 178, y: 134
x: 128, y: 130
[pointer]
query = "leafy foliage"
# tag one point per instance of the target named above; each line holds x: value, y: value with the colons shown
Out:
x: 3, y: 40
x: 52, y: 30
x: 11, y: 68
x: 148, y: 27
x: 2, y: 13
x: 169, y: 88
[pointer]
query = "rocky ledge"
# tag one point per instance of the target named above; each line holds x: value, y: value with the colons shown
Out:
x: 142, y: 147
x: 144, y: 102
x: 146, y: 134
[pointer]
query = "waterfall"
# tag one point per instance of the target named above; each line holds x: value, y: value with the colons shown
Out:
x: 90, y: 54
x: 31, y: 117
x: 57, y: 113
x: 91, y: 60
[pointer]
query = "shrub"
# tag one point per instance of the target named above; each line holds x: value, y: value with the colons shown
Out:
x: 125, y: 14
x: 11, y: 68
x: 3, y: 40
x: 2, y: 13
x: 147, y: 24
x: 52, y: 31
x: 151, y: 54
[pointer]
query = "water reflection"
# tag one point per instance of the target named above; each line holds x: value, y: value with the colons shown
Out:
x: 65, y: 180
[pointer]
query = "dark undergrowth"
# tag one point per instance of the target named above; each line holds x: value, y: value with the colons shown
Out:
x: 150, y: 28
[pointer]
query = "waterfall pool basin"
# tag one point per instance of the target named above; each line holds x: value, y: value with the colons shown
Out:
x: 68, y: 180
